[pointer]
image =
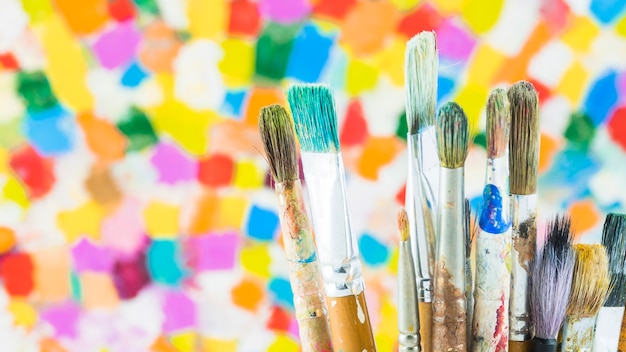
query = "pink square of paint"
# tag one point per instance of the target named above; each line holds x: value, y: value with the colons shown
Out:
x: 117, y: 46
x: 453, y: 41
x: 213, y: 251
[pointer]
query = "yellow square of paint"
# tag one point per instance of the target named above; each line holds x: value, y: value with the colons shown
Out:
x: 24, y: 314
x: 284, y: 343
x: 207, y: 19
x: 98, y: 290
x: 361, y: 76
x: 217, y: 345
x: 162, y: 219
x: 248, y: 175
x: 573, y: 83
x: 484, y: 64
x: 472, y: 99
x: 82, y: 221
x: 391, y: 61
x: 582, y: 31
x: 237, y: 66
x: 232, y: 210
x: 620, y: 27
x: 256, y: 259
x: 184, y: 342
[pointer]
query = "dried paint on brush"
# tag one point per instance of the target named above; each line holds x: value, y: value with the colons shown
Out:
x: 408, y: 315
x: 278, y: 139
x: 420, y: 69
x: 449, y: 332
x: 611, y: 316
x: 493, y: 244
x: 523, y: 166
x: 590, y: 286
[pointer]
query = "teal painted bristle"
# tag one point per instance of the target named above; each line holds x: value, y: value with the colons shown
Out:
x: 313, y: 110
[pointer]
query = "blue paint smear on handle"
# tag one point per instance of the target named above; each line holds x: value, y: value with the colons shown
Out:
x: 492, y: 218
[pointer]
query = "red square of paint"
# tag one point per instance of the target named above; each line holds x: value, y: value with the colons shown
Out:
x: 244, y: 18
x: 216, y: 170
x: 121, y: 10
x: 424, y: 18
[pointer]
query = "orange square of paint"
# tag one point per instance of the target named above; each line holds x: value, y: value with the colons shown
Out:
x: 98, y: 290
x: 52, y: 274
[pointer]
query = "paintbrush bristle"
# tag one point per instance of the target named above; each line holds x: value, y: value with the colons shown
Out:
x: 552, y: 278
x: 524, y: 139
x: 279, y: 141
x: 420, y: 69
x: 403, y: 225
x: 614, y: 239
x: 313, y: 109
x: 591, y: 281
x: 452, y: 136
x: 498, y: 123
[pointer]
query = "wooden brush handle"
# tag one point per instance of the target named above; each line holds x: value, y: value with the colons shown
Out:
x: 621, y: 347
x: 520, y: 346
x: 350, y: 324
x: 426, y: 321
x: 314, y: 335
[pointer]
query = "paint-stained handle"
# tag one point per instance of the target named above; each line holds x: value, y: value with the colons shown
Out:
x: 350, y: 323
x: 520, y: 346
x: 426, y: 318
x: 310, y: 336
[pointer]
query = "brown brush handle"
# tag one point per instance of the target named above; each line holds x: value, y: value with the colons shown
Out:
x: 426, y: 319
x: 621, y: 347
x: 350, y: 324
x: 520, y: 346
x: 316, y: 337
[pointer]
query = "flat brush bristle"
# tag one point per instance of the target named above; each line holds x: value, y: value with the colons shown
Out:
x: 552, y: 279
x: 315, y: 119
x: 277, y: 135
x: 403, y: 225
x: 591, y: 281
x: 614, y: 239
x: 498, y: 123
x: 420, y: 69
x: 452, y: 136
x: 524, y: 139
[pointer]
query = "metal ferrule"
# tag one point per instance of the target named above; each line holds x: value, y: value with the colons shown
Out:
x: 408, y: 314
x: 523, y: 248
x: 578, y: 334
x: 422, y: 248
x: 451, y: 243
x: 608, y: 326
x: 429, y: 167
x: 336, y: 247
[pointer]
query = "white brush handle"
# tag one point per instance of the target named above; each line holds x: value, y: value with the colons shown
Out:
x: 608, y: 328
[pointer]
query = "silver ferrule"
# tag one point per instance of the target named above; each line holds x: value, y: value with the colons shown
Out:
x: 451, y: 243
x: 608, y: 327
x: 429, y: 167
x: 408, y: 313
x: 422, y: 245
x: 336, y: 247
x: 524, y: 246
x: 577, y: 334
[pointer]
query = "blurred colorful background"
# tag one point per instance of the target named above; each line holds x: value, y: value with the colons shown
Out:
x: 136, y: 212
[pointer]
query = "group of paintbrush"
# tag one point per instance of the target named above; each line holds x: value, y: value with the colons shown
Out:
x: 325, y: 273
x: 445, y: 307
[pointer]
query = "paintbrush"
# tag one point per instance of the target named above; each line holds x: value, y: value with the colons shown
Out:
x: 449, y: 305
x: 420, y: 70
x: 490, y: 327
x: 551, y: 285
x: 408, y: 315
x: 523, y: 165
x: 610, y: 317
x: 315, y: 120
x: 277, y: 135
x: 590, y: 286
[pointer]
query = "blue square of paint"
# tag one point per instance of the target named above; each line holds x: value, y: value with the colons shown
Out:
x: 165, y: 263
x: 309, y: 54
x: 607, y: 10
x: 445, y: 86
x: 133, y: 76
x: 233, y: 103
x: 262, y: 224
x: 373, y: 251
x: 283, y: 294
x: 51, y: 132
